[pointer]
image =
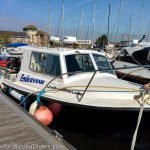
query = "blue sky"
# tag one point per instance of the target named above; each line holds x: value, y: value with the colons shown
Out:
x: 15, y: 14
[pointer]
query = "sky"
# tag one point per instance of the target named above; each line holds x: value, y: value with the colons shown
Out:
x: 16, y: 14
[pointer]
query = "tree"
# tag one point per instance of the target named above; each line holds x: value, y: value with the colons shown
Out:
x: 5, y: 39
x: 54, y: 43
x: 102, y: 40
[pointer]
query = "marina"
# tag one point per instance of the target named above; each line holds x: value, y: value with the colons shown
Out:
x: 29, y: 90
x: 75, y: 75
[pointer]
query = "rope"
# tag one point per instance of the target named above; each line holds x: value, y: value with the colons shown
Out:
x: 139, y: 119
x: 34, y: 93
x: 24, y: 103
x: 106, y: 87
x: 39, y: 95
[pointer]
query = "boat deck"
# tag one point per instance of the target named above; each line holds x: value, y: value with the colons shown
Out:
x: 19, y: 130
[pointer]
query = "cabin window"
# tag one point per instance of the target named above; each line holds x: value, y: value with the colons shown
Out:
x: 102, y: 63
x: 45, y: 63
x: 79, y: 62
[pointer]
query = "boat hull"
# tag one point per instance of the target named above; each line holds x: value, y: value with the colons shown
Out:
x: 124, y: 106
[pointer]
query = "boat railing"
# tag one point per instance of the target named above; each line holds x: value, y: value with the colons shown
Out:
x: 81, y: 95
x: 94, y: 73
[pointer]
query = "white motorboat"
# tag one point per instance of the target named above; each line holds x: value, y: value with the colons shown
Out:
x: 81, y: 78
x: 133, y: 56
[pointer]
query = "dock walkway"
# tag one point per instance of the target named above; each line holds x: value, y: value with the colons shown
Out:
x: 19, y: 130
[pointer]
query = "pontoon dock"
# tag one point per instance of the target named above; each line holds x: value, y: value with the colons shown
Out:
x: 18, y: 129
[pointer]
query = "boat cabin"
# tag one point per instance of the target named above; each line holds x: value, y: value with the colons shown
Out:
x: 135, y: 55
x: 67, y: 65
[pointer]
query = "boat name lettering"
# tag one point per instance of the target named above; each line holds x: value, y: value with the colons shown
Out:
x: 31, y: 80
x: 65, y: 90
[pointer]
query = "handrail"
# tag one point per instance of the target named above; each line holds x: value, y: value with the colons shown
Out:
x: 67, y: 73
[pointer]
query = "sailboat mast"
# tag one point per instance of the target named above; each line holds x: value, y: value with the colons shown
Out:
x: 48, y: 23
x: 94, y: 22
x: 116, y: 22
x: 62, y: 22
x: 81, y: 24
x: 139, y: 30
x: 108, y: 24
x: 126, y: 30
x: 88, y: 29
x: 118, y: 19
x: 129, y: 29
x: 148, y: 32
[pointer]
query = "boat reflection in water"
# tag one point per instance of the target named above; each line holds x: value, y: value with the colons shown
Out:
x: 105, y: 130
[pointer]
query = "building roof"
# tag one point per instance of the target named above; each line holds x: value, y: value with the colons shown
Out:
x: 42, y: 32
x: 30, y: 27
x: 12, y: 34
x: 16, y: 44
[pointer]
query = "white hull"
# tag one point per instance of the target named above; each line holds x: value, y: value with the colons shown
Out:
x: 94, y: 97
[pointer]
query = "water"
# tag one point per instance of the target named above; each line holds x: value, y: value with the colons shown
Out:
x: 88, y: 129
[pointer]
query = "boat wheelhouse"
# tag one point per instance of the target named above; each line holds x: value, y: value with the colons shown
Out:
x: 74, y: 77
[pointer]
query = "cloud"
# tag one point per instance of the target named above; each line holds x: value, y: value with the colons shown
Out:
x: 90, y: 13
x: 13, y: 24
x: 79, y: 4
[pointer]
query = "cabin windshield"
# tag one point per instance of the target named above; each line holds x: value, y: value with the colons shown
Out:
x: 102, y: 63
x: 78, y: 62
x: 83, y: 63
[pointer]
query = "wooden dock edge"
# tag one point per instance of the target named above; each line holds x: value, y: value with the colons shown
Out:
x: 46, y: 133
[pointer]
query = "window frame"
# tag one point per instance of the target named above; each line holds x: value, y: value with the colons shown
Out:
x: 109, y: 71
x: 77, y: 54
x: 44, y: 73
